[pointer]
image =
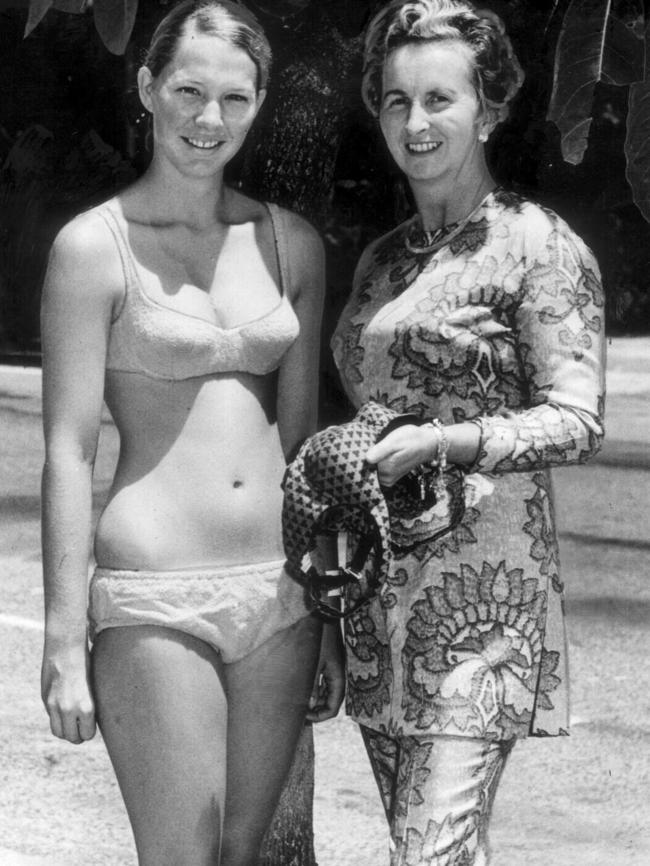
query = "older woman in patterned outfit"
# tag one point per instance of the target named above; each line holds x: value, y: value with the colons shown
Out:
x: 484, y: 311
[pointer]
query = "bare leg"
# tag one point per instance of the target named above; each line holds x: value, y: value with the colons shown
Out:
x: 268, y: 692
x: 163, y: 714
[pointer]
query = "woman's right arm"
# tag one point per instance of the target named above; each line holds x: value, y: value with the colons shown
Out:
x: 81, y: 289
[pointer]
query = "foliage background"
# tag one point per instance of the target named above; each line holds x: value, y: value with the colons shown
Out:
x: 72, y: 133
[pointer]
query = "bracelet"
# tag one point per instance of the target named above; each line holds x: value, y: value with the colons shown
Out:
x: 441, y: 456
x: 440, y: 459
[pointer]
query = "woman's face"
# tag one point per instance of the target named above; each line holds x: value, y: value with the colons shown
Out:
x: 430, y: 113
x: 203, y: 104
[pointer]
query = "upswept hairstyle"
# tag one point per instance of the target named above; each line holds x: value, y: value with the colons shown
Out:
x: 497, y: 73
x: 228, y: 20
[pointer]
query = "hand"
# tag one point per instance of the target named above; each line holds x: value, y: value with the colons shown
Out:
x: 329, y: 685
x: 401, y: 451
x: 65, y: 690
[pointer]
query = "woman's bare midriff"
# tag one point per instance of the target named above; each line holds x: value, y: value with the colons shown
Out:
x: 199, y: 473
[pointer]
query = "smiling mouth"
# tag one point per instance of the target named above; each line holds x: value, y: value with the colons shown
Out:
x: 423, y: 146
x: 202, y: 144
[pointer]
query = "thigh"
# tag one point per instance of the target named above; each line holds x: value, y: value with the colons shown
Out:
x: 163, y: 715
x: 268, y: 694
x: 443, y: 791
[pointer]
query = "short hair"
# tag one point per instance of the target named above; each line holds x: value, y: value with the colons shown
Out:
x: 497, y: 73
x: 228, y: 20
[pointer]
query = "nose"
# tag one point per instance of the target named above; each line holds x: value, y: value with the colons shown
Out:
x: 210, y: 114
x: 418, y: 119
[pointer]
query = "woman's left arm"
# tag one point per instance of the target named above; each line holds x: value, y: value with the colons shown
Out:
x: 298, y: 418
x: 559, y: 328
x: 297, y: 406
x: 561, y: 343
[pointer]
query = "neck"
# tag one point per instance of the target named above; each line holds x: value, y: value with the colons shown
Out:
x: 197, y: 203
x: 440, y: 203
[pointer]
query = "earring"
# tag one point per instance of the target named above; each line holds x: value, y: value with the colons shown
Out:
x: 143, y: 129
x: 483, y: 136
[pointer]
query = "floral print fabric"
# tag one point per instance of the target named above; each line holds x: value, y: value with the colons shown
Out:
x: 502, y: 327
x: 437, y: 793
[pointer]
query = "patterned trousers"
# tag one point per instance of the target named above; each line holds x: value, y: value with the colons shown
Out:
x: 437, y: 792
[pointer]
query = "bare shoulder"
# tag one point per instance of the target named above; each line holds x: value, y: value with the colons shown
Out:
x: 76, y: 251
x: 87, y: 233
x: 241, y: 208
x: 306, y: 251
x: 301, y: 230
x: 304, y: 245
x: 247, y: 209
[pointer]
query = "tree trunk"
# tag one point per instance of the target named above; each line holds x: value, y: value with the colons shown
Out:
x: 292, y: 148
x: 290, y: 159
x: 290, y: 838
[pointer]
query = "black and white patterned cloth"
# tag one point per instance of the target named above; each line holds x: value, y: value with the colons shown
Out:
x: 331, y: 488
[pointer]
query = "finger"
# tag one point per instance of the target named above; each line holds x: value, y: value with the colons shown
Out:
x: 318, y: 703
x: 314, y: 711
x: 379, y: 451
x: 387, y: 477
x: 312, y: 715
x: 65, y: 724
x: 321, y: 714
x: 71, y: 731
x: 316, y: 716
x: 317, y: 692
x: 86, y: 722
x: 387, y: 470
x: 390, y: 474
x: 328, y: 709
x: 330, y: 701
x: 86, y: 726
x: 56, y: 725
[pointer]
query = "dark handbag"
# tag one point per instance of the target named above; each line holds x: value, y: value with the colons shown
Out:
x: 330, y: 488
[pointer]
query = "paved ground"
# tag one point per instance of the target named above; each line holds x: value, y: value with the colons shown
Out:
x: 579, y: 801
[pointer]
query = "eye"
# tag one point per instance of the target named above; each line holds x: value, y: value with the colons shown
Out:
x: 437, y: 100
x: 395, y: 102
x: 237, y: 97
x: 186, y: 90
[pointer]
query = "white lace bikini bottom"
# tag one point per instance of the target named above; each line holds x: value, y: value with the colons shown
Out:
x: 232, y: 608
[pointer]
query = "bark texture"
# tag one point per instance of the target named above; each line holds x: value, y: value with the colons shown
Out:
x: 290, y: 159
x: 290, y: 838
x: 292, y: 149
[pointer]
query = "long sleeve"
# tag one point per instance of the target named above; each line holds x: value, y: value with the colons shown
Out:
x: 559, y: 325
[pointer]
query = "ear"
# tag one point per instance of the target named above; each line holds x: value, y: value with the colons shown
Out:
x: 487, y: 124
x: 261, y: 96
x: 145, y: 84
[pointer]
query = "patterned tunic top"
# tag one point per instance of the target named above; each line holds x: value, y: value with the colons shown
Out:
x: 502, y: 326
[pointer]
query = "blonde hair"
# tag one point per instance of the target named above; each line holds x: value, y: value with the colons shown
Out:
x: 228, y: 20
x: 497, y: 73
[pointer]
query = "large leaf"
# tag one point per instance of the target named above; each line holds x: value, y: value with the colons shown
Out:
x: 39, y: 8
x: 578, y: 66
x: 624, y: 55
x: 600, y: 40
x: 637, y: 142
x: 114, y: 22
x: 113, y: 18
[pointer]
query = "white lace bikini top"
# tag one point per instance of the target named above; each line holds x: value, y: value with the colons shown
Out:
x: 150, y: 338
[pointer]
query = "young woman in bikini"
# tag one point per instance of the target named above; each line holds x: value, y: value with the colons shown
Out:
x: 181, y: 302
